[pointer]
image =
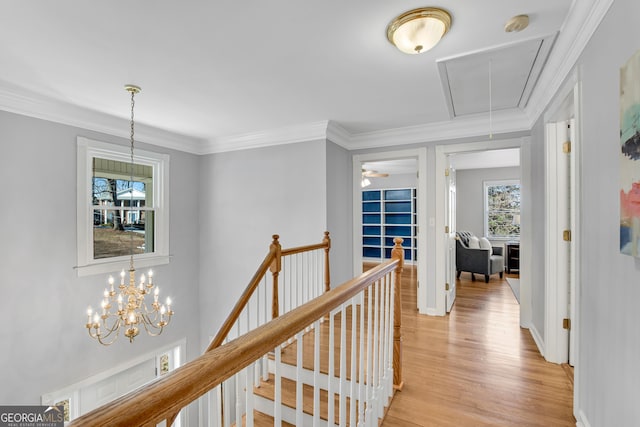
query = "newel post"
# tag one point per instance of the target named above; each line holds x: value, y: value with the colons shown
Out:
x: 397, y: 253
x: 275, y: 268
x: 327, y: 279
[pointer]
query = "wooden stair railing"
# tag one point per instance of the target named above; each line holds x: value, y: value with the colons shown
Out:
x: 272, y: 262
x: 163, y: 399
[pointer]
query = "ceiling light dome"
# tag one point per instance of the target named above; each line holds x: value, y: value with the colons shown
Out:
x: 418, y: 30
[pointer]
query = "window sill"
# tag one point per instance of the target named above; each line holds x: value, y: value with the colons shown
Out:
x: 114, y: 266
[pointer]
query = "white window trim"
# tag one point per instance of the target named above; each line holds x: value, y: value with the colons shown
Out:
x: 88, y: 149
x: 491, y: 183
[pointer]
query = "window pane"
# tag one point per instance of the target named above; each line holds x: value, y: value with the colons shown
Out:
x: 121, y: 232
x: 502, y: 224
x: 119, y: 213
x: 503, y: 209
x: 504, y: 197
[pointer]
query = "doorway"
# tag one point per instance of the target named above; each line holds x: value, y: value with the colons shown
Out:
x: 395, y: 207
x: 444, y: 153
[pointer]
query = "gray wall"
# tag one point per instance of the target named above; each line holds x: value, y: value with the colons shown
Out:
x: 45, y: 345
x: 538, y: 209
x: 608, y: 369
x: 339, y: 212
x: 246, y: 197
x: 470, y: 195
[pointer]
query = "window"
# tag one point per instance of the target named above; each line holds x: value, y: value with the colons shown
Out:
x: 502, y: 209
x: 118, y: 215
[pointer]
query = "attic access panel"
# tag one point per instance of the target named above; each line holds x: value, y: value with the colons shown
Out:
x: 515, y: 70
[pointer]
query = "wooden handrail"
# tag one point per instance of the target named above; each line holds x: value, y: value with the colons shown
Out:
x: 272, y: 262
x: 246, y: 295
x: 162, y: 399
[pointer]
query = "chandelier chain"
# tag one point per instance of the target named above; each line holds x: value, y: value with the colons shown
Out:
x: 133, y: 103
x: 126, y: 309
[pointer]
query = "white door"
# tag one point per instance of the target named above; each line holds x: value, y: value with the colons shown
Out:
x: 572, y: 253
x: 450, y: 236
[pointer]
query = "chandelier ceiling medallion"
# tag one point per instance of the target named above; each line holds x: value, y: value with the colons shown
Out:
x: 419, y: 30
x: 126, y: 308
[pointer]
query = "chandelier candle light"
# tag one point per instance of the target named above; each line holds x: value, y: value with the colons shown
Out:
x: 132, y: 311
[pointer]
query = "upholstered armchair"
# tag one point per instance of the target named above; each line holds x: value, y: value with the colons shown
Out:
x: 475, y: 255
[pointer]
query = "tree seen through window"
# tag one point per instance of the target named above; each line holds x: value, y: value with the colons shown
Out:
x: 502, y: 201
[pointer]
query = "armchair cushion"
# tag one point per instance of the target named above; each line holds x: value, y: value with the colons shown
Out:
x: 486, y: 244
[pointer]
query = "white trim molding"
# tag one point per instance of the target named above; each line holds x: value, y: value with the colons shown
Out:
x: 87, y: 150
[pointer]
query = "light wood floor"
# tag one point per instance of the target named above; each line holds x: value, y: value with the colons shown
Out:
x: 476, y: 366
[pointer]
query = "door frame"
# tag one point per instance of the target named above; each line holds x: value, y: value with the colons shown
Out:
x: 421, y: 155
x: 442, y: 152
x: 566, y: 107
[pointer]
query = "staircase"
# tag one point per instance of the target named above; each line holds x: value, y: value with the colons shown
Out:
x: 292, y: 352
x: 293, y: 384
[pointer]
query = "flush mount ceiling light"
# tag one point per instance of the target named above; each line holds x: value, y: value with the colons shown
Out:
x: 419, y: 30
x: 516, y: 24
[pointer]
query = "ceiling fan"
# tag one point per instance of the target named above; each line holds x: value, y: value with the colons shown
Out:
x: 373, y: 174
x: 366, y: 174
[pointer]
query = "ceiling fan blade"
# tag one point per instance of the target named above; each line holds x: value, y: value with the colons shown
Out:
x: 374, y: 174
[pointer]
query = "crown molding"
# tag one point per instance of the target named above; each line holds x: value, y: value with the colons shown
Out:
x: 583, y: 20
x: 511, y: 121
x: 24, y: 102
x: 267, y: 138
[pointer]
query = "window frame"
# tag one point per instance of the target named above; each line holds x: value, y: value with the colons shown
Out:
x: 494, y: 183
x: 87, y: 149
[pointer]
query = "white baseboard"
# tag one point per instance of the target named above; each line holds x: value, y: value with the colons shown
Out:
x: 537, y: 338
x: 582, y: 420
x: 432, y: 312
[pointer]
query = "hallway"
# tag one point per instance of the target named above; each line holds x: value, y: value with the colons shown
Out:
x: 476, y: 366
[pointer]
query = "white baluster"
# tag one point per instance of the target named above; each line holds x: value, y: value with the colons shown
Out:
x: 361, y: 361
x: 238, y: 384
x: 369, y: 376
x: 316, y: 374
x: 354, y: 366
x: 343, y: 366
x: 332, y: 370
x: 226, y: 402
x: 376, y: 324
x: 277, y: 387
x: 249, y: 394
x: 392, y: 304
x: 383, y: 346
x: 299, y: 385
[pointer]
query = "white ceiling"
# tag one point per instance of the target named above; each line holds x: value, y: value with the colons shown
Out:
x: 221, y: 75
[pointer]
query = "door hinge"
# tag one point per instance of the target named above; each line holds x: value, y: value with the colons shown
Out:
x: 446, y: 172
x: 446, y: 286
x: 566, y: 147
x: 566, y: 324
x: 446, y: 229
x: 566, y: 235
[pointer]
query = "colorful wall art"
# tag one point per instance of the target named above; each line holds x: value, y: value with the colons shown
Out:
x: 630, y: 157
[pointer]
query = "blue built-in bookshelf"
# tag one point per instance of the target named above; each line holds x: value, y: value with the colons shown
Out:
x: 387, y: 214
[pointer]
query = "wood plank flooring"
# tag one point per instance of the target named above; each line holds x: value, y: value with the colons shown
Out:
x: 476, y: 366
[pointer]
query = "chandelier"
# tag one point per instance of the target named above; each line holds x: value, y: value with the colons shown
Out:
x: 126, y: 308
